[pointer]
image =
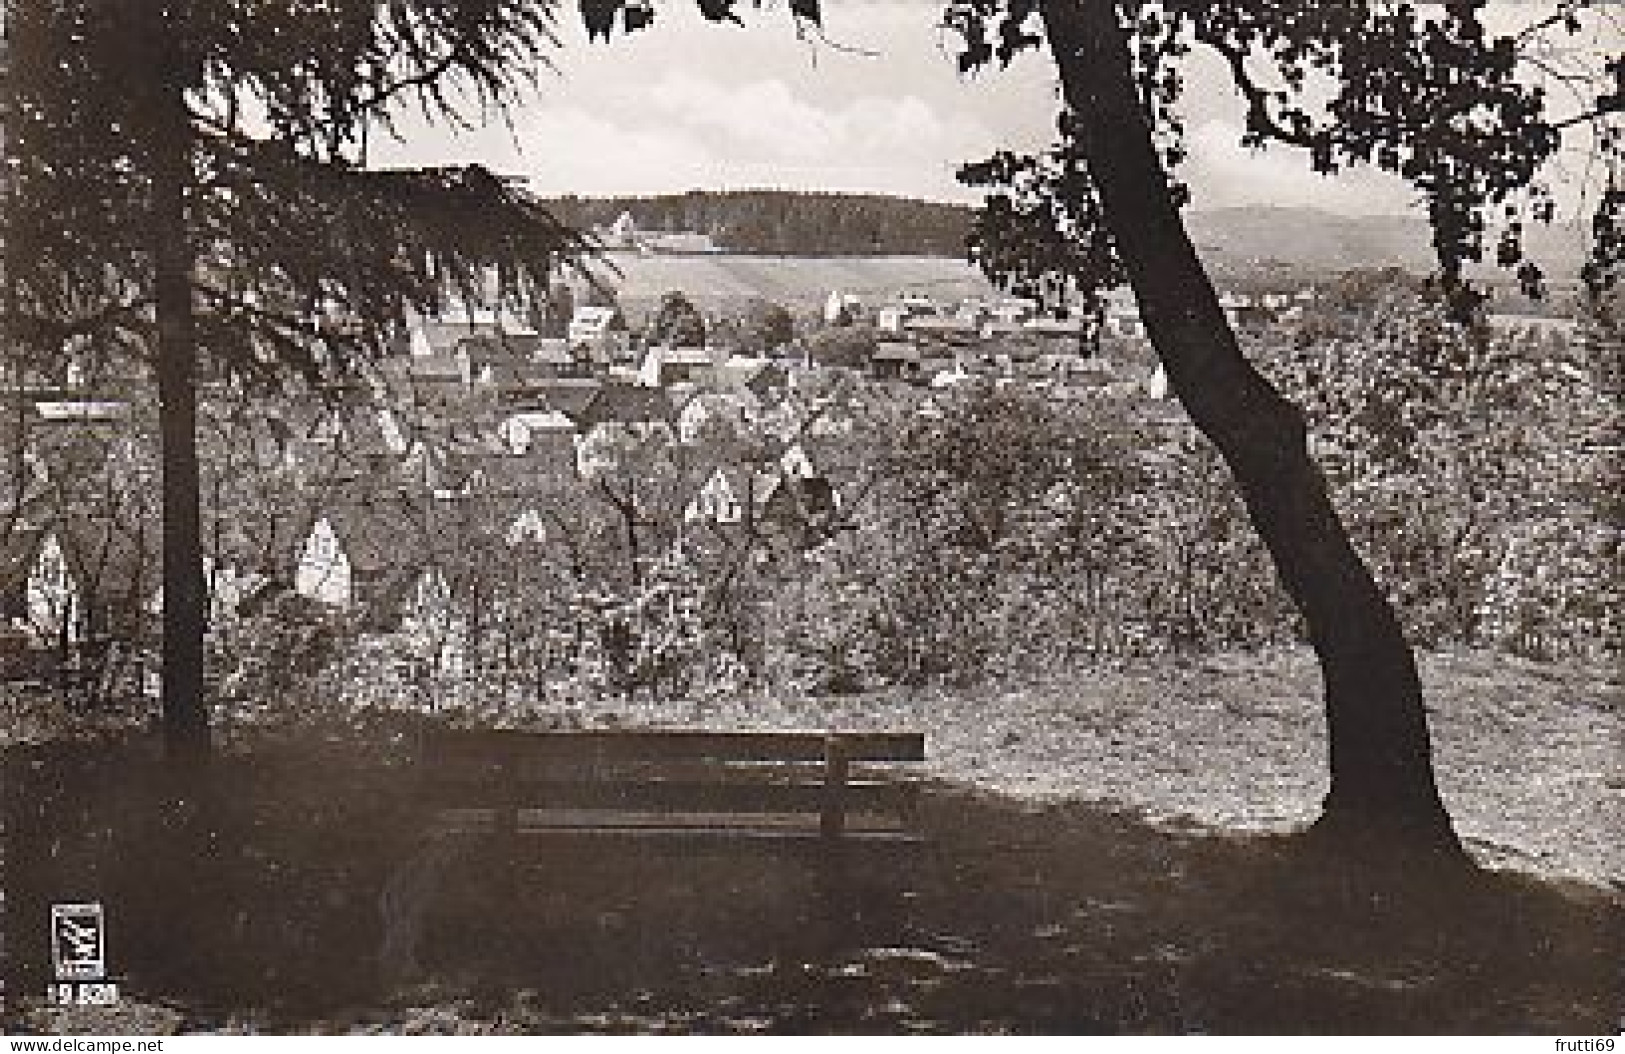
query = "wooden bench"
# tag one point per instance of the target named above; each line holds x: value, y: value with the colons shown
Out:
x: 680, y: 786
x: 824, y: 794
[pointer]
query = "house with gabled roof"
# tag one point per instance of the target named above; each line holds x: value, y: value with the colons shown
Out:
x: 527, y: 528
x: 598, y: 333
x: 364, y: 550
x: 718, y: 501
x: 83, y: 575
x: 708, y: 409
x: 627, y: 404
x: 664, y: 366
x: 765, y: 379
x: 322, y: 572
x: 796, y: 463
x: 941, y: 329
x: 39, y: 595
x: 515, y: 362
x: 800, y: 511
x: 520, y: 432
x: 552, y: 356
x: 569, y: 396
x: 895, y: 360
x: 789, y: 504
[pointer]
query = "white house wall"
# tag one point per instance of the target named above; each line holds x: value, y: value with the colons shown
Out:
x: 323, y: 573
x: 52, y: 596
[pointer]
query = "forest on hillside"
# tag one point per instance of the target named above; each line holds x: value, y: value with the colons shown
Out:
x: 789, y: 223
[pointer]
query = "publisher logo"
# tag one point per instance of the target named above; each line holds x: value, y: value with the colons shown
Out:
x: 78, y: 944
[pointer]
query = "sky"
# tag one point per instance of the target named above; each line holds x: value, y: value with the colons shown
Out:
x: 691, y: 105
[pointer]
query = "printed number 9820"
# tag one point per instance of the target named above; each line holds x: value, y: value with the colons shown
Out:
x: 100, y: 993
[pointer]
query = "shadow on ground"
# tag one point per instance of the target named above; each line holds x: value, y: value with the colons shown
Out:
x: 260, y: 908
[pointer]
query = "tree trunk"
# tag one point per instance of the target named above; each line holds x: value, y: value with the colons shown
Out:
x: 185, y: 716
x: 1381, y: 767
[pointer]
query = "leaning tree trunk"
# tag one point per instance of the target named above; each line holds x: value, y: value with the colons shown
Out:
x: 1381, y: 767
x: 185, y: 717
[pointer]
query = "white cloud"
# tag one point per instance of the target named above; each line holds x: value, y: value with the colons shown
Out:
x: 692, y: 105
x: 768, y: 120
x: 762, y: 117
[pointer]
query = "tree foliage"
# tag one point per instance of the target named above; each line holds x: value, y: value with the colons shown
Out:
x: 278, y: 103
x: 168, y: 165
x: 1470, y: 117
x: 764, y: 327
x: 677, y: 323
x: 851, y: 347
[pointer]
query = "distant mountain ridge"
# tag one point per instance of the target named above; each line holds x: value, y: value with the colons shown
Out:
x: 1254, y: 237
x: 1239, y: 242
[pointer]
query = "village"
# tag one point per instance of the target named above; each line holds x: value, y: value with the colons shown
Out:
x: 481, y: 408
x: 661, y: 438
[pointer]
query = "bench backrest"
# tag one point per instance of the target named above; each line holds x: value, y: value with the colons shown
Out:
x: 677, y: 780
x: 589, y: 747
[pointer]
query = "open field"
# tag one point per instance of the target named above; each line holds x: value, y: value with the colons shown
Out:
x: 1095, y: 865
x: 714, y: 281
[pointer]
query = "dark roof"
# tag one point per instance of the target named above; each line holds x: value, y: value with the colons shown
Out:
x: 498, y: 348
x: 630, y: 404
x: 484, y: 350
x: 570, y: 396
x: 522, y: 375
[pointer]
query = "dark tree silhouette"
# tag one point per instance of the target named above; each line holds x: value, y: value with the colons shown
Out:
x: 1433, y: 96
x: 1438, y: 100
x: 677, y: 323
x: 189, y: 177
x: 764, y: 327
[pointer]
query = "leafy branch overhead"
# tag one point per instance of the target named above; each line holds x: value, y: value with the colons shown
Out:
x: 602, y: 18
x: 1470, y: 118
x: 307, y: 259
x: 189, y: 182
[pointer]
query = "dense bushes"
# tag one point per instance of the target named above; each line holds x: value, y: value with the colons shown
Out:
x: 1013, y: 535
x: 1473, y: 471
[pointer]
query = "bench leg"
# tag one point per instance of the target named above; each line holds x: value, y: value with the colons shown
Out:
x: 835, y: 909
x: 403, y: 902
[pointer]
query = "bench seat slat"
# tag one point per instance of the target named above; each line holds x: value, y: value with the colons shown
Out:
x: 670, y: 827
x: 675, y: 745
x: 616, y: 819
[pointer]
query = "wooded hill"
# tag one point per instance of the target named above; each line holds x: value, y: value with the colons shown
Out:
x: 1270, y: 245
x: 789, y: 223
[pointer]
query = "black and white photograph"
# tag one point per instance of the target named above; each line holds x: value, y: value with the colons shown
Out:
x: 802, y: 517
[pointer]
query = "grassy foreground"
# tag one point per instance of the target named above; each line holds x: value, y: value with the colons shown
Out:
x: 1101, y: 860
x: 1528, y: 754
